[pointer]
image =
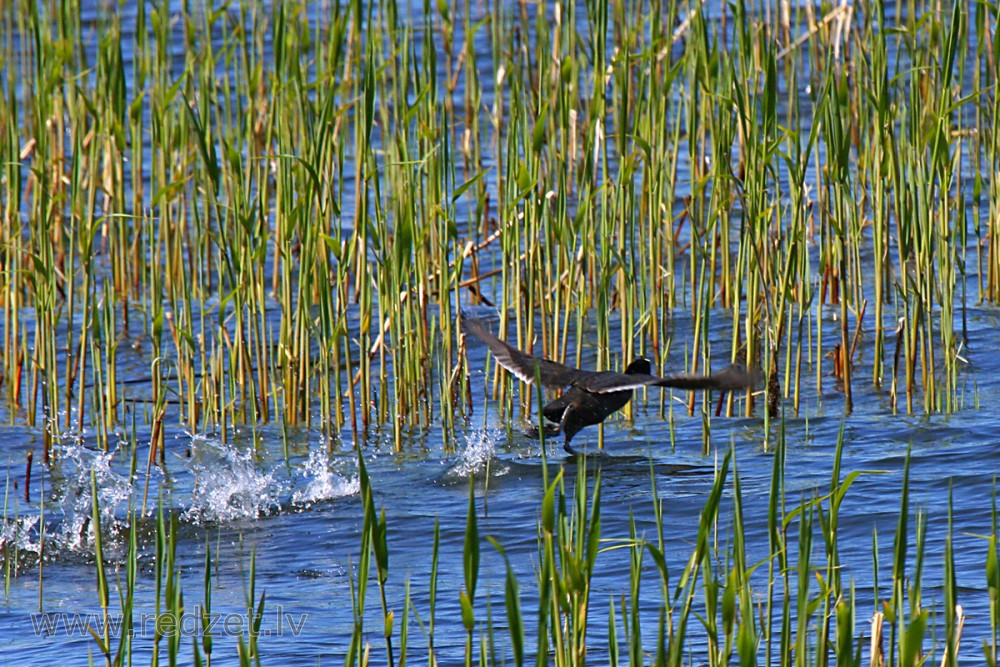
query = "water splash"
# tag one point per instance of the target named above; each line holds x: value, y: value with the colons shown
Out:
x: 69, y: 485
x: 324, y: 483
x: 82, y: 467
x: 477, y: 457
x: 227, y: 484
x: 21, y: 534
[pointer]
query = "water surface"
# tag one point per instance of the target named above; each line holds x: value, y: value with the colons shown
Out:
x: 290, y: 499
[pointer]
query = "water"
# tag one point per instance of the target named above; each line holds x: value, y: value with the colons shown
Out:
x: 301, y: 515
x: 292, y: 502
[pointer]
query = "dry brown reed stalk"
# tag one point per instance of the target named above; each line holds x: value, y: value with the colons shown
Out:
x: 877, y: 658
x: 960, y: 624
x: 842, y: 12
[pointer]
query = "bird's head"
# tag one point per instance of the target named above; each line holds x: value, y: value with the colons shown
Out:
x: 639, y: 367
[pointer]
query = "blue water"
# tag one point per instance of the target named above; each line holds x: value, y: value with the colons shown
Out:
x: 290, y: 503
x: 301, y: 516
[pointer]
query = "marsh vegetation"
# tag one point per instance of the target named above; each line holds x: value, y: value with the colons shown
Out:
x: 238, y: 243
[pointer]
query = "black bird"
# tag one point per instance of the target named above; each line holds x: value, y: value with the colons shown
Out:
x: 595, y: 395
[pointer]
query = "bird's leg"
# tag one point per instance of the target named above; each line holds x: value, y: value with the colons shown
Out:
x: 569, y: 433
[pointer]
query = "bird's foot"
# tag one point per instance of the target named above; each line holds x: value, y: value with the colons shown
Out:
x: 572, y: 452
x: 535, y: 431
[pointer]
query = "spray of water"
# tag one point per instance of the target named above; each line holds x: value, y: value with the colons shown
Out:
x: 81, y: 467
x: 477, y: 456
x: 322, y: 482
x: 227, y: 484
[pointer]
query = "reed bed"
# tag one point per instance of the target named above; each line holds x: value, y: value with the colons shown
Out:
x: 282, y: 214
x: 794, y: 606
x: 792, y: 602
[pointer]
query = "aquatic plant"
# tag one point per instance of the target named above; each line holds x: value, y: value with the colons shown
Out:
x: 242, y: 221
x: 220, y: 217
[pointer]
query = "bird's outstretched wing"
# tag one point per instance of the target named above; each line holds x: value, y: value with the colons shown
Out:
x: 524, y: 366
x: 556, y: 376
x: 733, y: 377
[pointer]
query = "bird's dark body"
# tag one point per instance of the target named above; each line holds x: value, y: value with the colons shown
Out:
x: 587, y: 408
x: 591, y: 397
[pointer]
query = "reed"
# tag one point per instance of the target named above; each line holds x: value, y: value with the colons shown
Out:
x: 284, y: 220
x: 638, y: 168
x: 798, y: 605
x: 992, y: 571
